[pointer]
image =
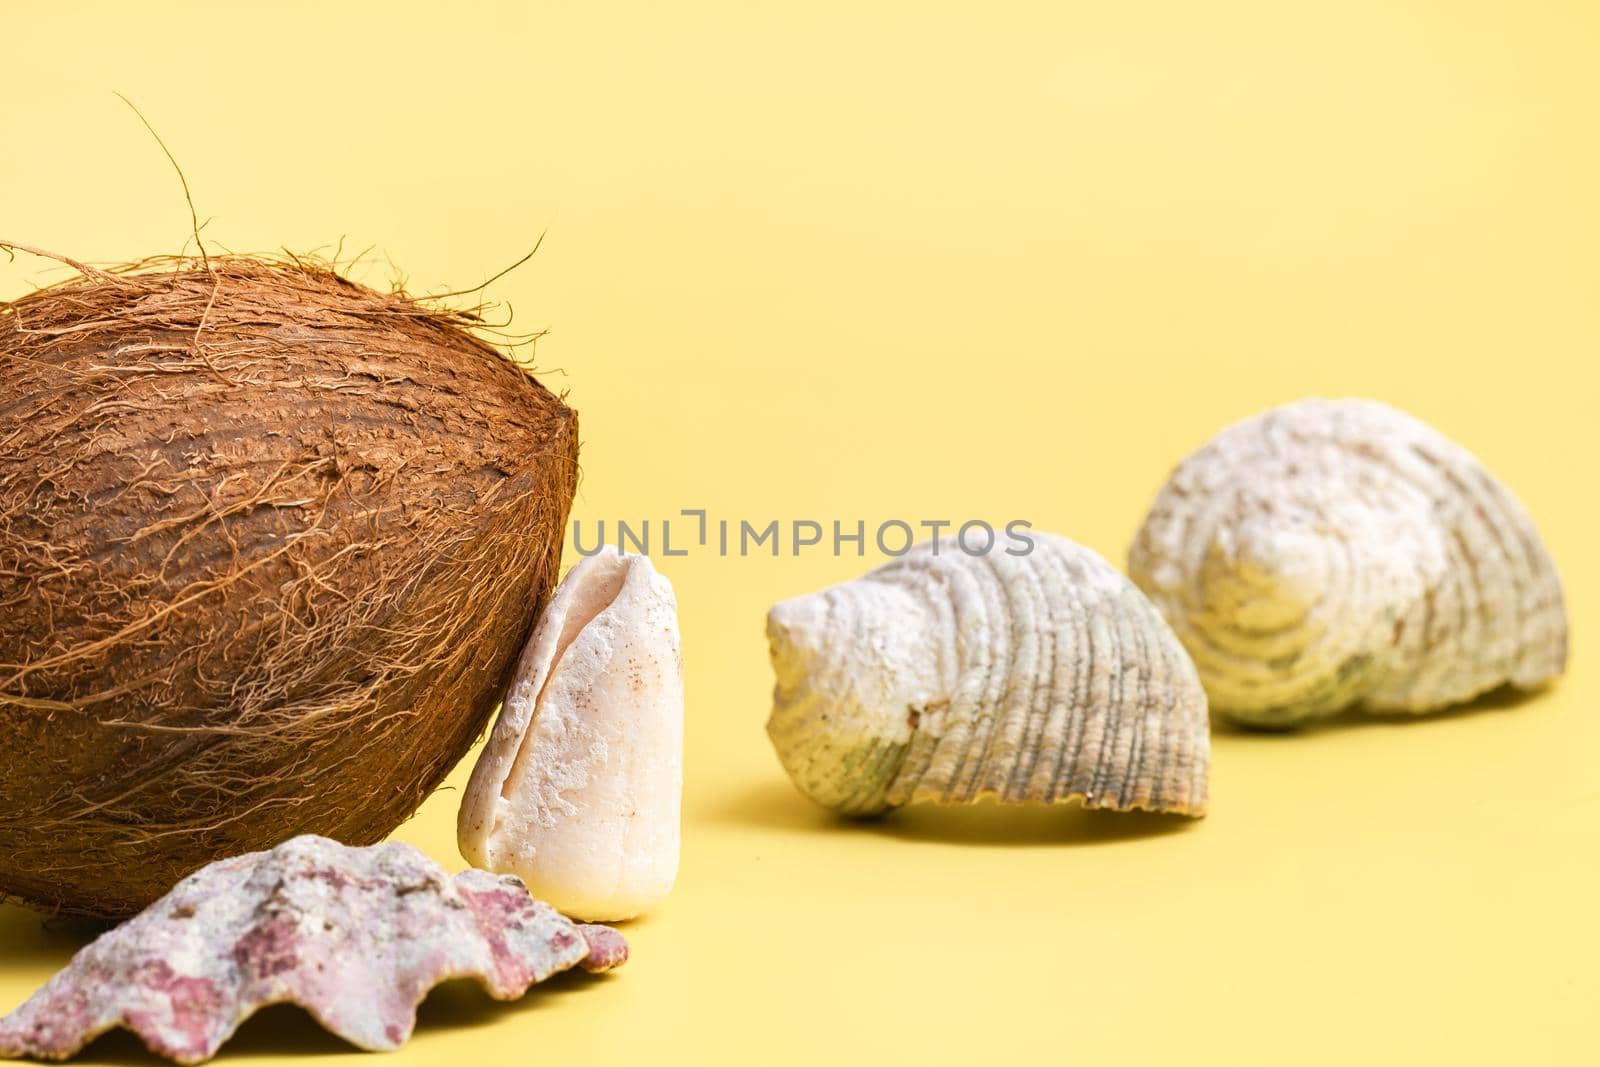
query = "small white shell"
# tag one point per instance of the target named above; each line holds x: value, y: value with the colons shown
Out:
x: 1339, y: 552
x: 945, y: 676
x: 579, y: 788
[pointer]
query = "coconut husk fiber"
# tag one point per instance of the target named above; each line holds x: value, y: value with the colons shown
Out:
x: 270, y: 542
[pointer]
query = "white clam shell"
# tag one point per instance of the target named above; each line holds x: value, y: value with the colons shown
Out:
x: 579, y: 788
x: 1330, y: 553
x: 948, y: 677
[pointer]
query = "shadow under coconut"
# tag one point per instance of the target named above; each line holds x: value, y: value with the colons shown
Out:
x: 776, y: 805
x: 1505, y: 698
x: 34, y: 940
x: 286, y: 1030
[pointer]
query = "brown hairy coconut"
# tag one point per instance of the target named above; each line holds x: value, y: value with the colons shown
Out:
x: 270, y: 542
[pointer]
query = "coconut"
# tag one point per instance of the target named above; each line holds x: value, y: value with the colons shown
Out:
x: 270, y: 542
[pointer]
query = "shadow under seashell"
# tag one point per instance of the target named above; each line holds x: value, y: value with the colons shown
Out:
x: 288, y: 1031
x: 1011, y: 825
x: 775, y: 806
x: 284, y: 1031
x: 44, y: 941
x: 1503, y: 698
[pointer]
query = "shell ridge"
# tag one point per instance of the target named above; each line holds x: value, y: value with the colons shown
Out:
x: 1004, y: 754
x: 1130, y: 789
x: 1005, y: 665
x: 1164, y: 710
x: 868, y: 788
x: 937, y: 602
x: 1004, y: 661
x: 1032, y: 744
x: 1109, y: 713
x: 975, y: 654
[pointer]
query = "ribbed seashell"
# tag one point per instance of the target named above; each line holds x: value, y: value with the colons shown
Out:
x: 944, y: 676
x: 1332, y: 553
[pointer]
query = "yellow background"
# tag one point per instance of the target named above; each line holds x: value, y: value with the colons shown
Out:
x: 949, y: 261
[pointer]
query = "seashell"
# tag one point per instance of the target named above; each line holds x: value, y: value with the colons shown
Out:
x: 1030, y: 678
x: 1331, y: 553
x: 579, y: 788
x: 355, y: 936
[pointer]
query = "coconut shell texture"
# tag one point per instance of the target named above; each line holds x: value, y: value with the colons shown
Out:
x: 270, y: 542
